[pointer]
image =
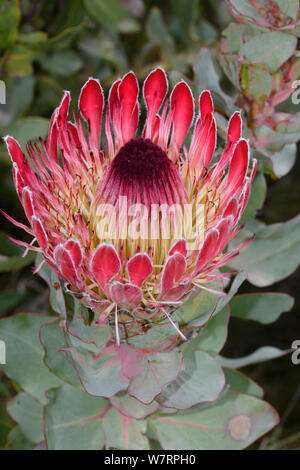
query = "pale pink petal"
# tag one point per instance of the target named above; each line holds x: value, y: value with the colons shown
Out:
x: 105, y: 264
x: 39, y: 232
x: 114, y: 106
x: 18, y: 180
x: 126, y: 295
x: 154, y: 90
x: 139, y: 268
x: 128, y: 94
x: 210, y: 144
x: 52, y: 138
x: 179, y: 247
x: 205, y: 104
x: 63, y: 109
x: 234, y: 131
x: 75, y: 251
x: 74, y: 135
x: 20, y: 160
x: 175, y: 293
x: 231, y: 208
x: 28, y: 204
x: 238, y: 165
x: 173, y: 270
x: 224, y: 227
x: 208, y: 250
x: 62, y: 124
x: 203, y: 137
x: 182, y: 108
x: 91, y: 106
x: 65, y: 264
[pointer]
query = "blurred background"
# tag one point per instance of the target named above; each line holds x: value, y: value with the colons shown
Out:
x: 47, y: 47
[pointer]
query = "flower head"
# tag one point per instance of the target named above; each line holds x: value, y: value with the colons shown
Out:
x: 134, y: 223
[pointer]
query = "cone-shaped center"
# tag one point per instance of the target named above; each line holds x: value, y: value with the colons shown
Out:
x: 143, y: 172
x: 140, y: 158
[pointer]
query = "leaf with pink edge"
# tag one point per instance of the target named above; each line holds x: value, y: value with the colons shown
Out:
x: 201, y: 305
x: 131, y: 407
x: 98, y: 334
x: 239, y: 382
x: 158, y: 338
x: 28, y: 413
x: 273, y: 254
x: 197, y: 310
x: 25, y: 354
x: 233, y: 422
x: 211, y: 338
x: 201, y: 381
x: 150, y: 373
x: 122, y: 432
x: 99, y: 372
x: 73, y: 420
x: 53, y: 341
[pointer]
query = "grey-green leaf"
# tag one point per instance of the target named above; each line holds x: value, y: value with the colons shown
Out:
x: 262, y: 354
x: 241, y: 383
x: 273, y: 254
x: 24, y: 354
x: 28, y: 413
x: 233, y: 422
x: 272, y: 48
x: 73, y: 420
x: 122, y: 432
x: 212, y: 336
x: 201, y: 381
x: 53, y: 341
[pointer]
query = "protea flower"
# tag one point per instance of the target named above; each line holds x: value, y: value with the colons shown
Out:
x: 67, y: 181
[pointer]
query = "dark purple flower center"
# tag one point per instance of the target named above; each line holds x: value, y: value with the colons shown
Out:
x: 143, y: 172
x: 140, y: 159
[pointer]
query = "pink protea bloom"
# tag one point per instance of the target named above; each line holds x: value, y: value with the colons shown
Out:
x: 70, y: 177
